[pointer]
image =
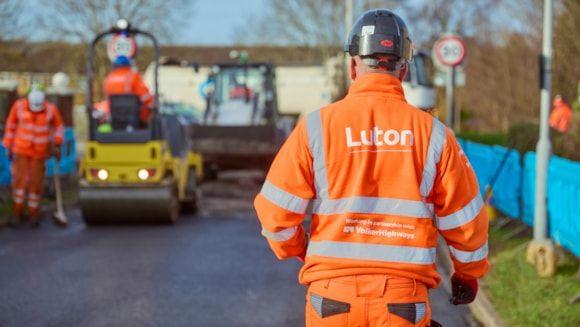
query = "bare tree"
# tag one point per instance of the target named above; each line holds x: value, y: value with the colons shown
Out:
x: 310, y: 24
x: 503, y: 40
x: 79, y: 20
x: 428, y: 19
x: 567, y: 51
x: 9, y: 18
x: 297, y: 22
x: 314, y: 23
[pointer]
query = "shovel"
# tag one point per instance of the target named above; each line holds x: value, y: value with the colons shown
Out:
x: 59, y: 216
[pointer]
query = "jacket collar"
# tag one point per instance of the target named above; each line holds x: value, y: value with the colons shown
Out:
x: 377, y: 84
x: 26, y: 107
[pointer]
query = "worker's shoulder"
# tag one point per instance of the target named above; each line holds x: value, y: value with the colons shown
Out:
x: 332, y: 107
x: 20, y: 101
x: 52, y: 109
x: 419, y: 113
x: 20, y: 104
x: 424, y: 123
x: 317, y: 111
x: 402, y: 107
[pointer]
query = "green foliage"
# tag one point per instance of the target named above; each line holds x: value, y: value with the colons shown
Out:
x: 566, y: 145
x: 576, y: 106
x: 523, y: 137
x: 483, y: 138
x: 520, y: 296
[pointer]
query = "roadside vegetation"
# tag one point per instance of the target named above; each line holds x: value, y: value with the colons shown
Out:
x: 521, y: 297
x: 524, y: 136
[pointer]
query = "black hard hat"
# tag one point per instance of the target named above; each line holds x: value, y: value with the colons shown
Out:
x: 377, y: 34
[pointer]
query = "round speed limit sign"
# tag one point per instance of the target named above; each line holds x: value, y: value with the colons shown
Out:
x: 121, y: 45
x: 450, y: 50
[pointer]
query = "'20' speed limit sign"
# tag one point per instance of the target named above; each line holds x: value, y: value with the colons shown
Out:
x: 450, y: 50
x: 121, y: 45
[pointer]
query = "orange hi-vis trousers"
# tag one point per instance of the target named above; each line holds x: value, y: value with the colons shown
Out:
x: 27, y: 177
x: 367, y: 301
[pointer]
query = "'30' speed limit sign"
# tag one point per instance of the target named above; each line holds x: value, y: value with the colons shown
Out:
x: 450, y: 50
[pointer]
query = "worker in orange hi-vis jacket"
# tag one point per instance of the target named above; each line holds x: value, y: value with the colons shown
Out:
x: 34, y: 131
x: 561, y: 115
x: 382, y: 179
x: 124, y: 80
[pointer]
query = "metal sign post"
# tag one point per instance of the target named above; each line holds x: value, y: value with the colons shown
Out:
x: 450, y: 52
x: 449, y: 98
x: 541, y: 251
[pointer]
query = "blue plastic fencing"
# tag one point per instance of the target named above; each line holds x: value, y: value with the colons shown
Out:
x: 67, y: 164
x: 514, y: 190
x: 486, y: 160
x: 529, y: 188
x: 4, y: 167
x: 564, y: 202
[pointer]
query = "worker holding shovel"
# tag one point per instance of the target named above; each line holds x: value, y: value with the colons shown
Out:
x: 33, y: 123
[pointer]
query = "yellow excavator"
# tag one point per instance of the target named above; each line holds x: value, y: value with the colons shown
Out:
x: 131, y: 172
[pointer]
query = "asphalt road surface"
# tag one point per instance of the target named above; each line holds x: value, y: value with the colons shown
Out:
x: 211, y: 269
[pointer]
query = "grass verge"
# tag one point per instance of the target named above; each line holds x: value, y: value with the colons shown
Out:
x: 521, y: 297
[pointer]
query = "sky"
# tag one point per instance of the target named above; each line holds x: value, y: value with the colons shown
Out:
x: 214, y: 21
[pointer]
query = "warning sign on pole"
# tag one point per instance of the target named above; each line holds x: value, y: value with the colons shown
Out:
x: 121, y: 45
x: 450, y: 50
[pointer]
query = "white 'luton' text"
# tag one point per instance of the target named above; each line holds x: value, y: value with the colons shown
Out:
x: 379, y: 137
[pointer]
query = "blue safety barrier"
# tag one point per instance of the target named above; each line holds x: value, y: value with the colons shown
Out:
x: 67, y: 163
x: 528, y: 188
x: 483, y: 160
x: 4, y: 167
x: 564, y: 202
x: 507, y: 188
x: 514, y: 190
x: 486, y: 161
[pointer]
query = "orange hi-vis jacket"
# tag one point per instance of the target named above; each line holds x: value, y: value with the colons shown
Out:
x: 31, y: 133
x: 123, y: 80
x: 381, y: 179
x: 560, y: 116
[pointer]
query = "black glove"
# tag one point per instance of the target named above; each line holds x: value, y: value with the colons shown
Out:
x: 463, y: 290
x: 434, y: 324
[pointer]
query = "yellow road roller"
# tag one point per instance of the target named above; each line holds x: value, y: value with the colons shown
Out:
x: 135, y: 172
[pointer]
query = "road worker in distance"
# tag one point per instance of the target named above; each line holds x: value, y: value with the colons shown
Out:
x: 34, y: 131
x: 124, y: 80
x: 382, y: 179
x: 561, y: 115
